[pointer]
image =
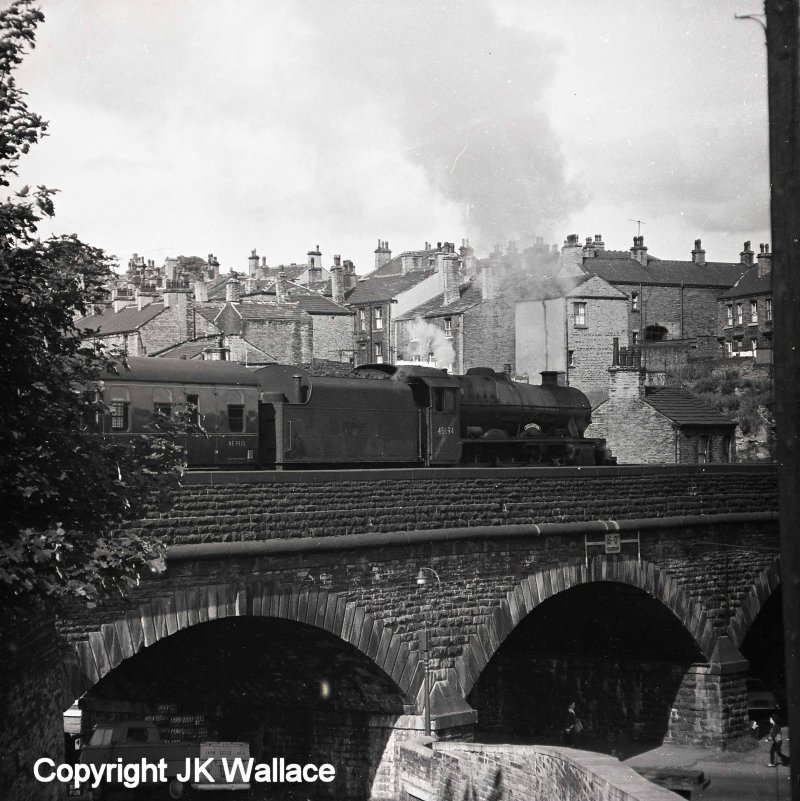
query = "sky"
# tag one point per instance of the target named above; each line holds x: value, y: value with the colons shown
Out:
x: 189, y: 127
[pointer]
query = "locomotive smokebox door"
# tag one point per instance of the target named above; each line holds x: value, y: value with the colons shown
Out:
x: 440, y: 419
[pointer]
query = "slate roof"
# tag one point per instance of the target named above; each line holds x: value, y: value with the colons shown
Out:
x: 680, y: 406
x: 664, y: 273
x: 470, y: 297
x: 215, y: 288
x: 254, y: 310
x: 126, y: 320
x: 190, y: 349
x: 309, y: 300
x: 395, y: 266
x: 384, y: 288
x: 750, y: 284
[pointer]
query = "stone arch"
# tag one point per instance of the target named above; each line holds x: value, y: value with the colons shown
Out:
x: 759, y: 593
x: 544, y: 584
x: 105, y: 648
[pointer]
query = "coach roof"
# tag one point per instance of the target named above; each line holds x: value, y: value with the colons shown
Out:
x: 182, y: 371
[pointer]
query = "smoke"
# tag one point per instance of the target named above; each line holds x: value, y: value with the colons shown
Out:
x: 467, y: 97
x: 427, y: 339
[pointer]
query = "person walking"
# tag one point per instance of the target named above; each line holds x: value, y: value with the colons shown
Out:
x: 776, y: 749
x: 573, y: 726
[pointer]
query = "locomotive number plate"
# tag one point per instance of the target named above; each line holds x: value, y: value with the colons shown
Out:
x: 237, y: 443
x: 444, y: 430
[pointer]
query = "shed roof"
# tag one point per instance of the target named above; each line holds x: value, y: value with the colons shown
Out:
x: 684, y: 409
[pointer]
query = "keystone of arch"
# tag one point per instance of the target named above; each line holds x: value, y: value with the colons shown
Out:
x: 106, y: 648
x: 759, y: 593
x: 502, y: 619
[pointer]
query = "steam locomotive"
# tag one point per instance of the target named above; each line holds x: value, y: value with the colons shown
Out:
x: 282, y: 417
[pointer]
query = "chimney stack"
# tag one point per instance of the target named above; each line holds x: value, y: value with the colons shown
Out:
x: 382, y: 254
x: 350, y: 277
x: 764, y: 260
x: 281, y: 292
x: 200, y: 292
x: 252, y: 263
x: 450, y: 278
x: 747, y: 256
x: 639, y: 251
x: 233, y: 290
x: 698, y: 254
x: 337, y: 281
x: 572, y: 255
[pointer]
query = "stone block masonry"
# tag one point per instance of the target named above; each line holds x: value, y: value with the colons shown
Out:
x: 455, y: 771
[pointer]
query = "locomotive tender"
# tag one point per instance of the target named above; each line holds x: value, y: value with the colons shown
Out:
x: 281, y: 417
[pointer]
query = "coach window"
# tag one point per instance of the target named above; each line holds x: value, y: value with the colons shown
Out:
x: 193, y: 409
x: 120, y: 415
x: 235, y: 418
x: 162, y: 402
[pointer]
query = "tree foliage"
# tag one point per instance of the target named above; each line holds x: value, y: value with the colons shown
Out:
x: 63, y: 496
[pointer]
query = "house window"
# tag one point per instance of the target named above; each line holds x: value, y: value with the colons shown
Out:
x: 703, y: 449
x: 729, y: 348
x: 634, y: 337
x: 571, y: 358
x: 634, y: 301
x: 769, y: 309
x: 235, y: 418
x: 753, y: 311
x: 754, y: 346
x: 362, y: 320
x: 739, y: 314
x: 729, y: 314
x: 727, y: 449
x: 448, y: 326
x: 580, y: 314
x: 378, y: 312
x: 430, y: 357
x: 120, y: 416
x: 379, y: 352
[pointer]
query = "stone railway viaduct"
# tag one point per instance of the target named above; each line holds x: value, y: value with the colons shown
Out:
x: 289, y: 607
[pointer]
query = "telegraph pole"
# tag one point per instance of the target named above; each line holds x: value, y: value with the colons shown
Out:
x: 783, y: 74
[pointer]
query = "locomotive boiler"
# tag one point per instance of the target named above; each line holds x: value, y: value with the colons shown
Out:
x: 282, y: 417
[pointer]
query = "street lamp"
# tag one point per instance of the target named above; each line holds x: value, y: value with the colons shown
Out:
x: 423, y: 647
